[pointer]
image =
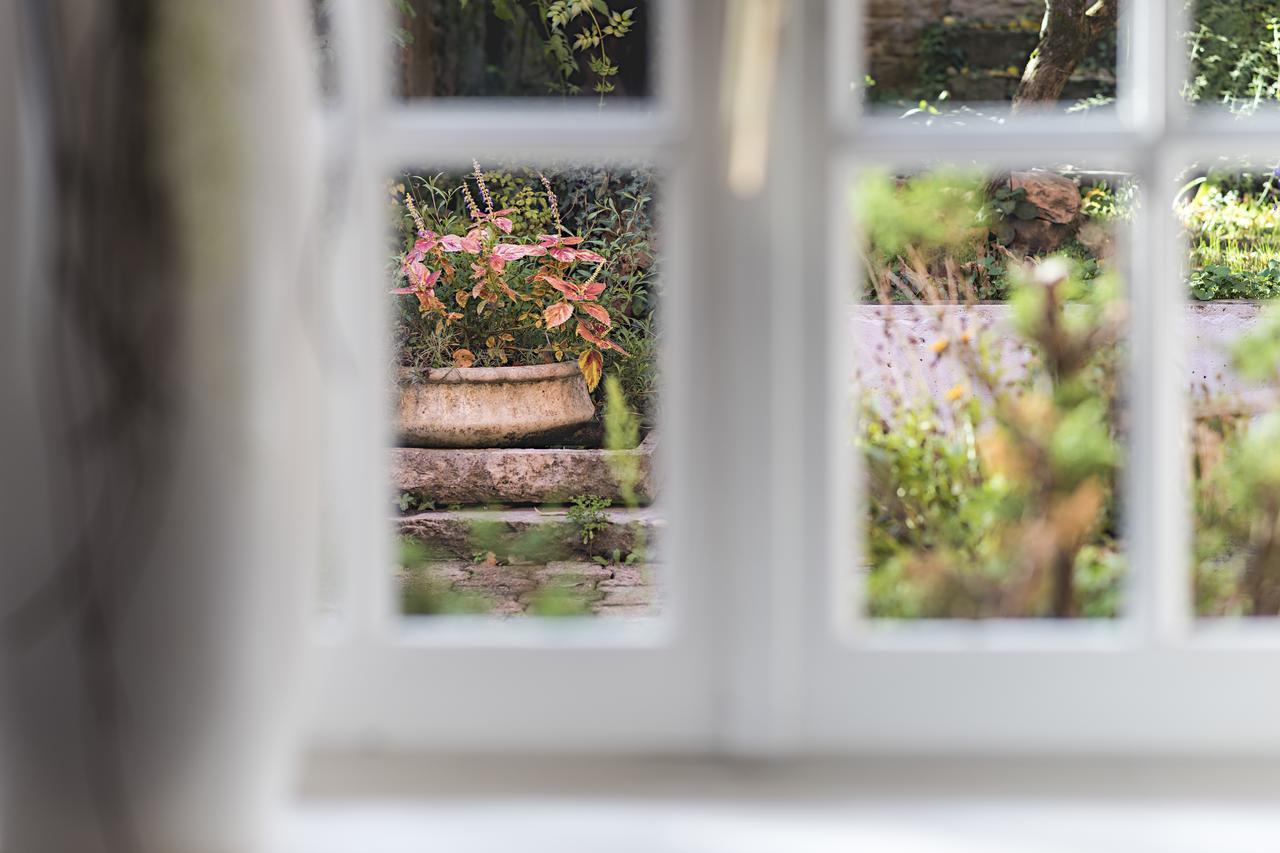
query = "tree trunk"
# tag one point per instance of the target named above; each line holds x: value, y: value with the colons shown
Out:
x: 1070, y: 28
x: 421, y: 77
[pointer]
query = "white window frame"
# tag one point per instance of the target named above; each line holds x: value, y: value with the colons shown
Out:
x: 470, y: 684
x: 761, y: 496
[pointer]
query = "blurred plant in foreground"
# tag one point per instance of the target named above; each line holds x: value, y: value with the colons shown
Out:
x: 996, y: 498
x: 1236, y: 474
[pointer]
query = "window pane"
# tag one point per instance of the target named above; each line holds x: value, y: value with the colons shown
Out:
x: 526, y: 340
x: 925, y: 57
x: 1233, y: 48
x: 1230, y: 218
x: 523, y: 48
x: 989, y: 360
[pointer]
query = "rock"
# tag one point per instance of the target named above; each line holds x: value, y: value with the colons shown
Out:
x: 1058, y: 201
x: 627, y: 596
x: 498, y: 581
x: 1097, y: 238
x: 531, y: 536
x: 626, y: 576
x: 1057, y: 197
x: 1037, y: 237
x: 571, y: 573
x: 507, y: 608
x: 638, y: 611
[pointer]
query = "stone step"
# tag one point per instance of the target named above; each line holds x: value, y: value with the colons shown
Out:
x: 519, y: 475
x: 529, y: 535
x: 562, y: 588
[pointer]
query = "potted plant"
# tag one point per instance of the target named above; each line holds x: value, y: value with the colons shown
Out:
x: 520, y: 322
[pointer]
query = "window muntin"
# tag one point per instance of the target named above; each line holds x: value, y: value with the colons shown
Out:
x: 792, y: 680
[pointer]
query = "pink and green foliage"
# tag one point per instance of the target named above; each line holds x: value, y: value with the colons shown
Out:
x: 517, y: 301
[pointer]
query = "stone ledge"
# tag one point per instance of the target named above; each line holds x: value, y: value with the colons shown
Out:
x: 527, y: 534
x: 516, y: 590
x: 901, y: 357
x: 516, y: 475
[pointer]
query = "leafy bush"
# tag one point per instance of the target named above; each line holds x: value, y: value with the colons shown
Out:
x: 519, y: 299
x: 1234, y: 229
x: 1220, y: 281
x: 612, y: 325
x: 959, y: 226
x: 520, y: 47
x: 999, y: 500
x: 1234, y: 51
x: 587, y: 514
x: 1237, y: 487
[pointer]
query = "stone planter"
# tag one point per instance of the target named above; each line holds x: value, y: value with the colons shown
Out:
x: 491, y: 406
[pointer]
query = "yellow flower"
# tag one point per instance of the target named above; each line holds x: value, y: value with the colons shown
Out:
x: 966, y: 336
x: 940, y: 345
x: 957, y: 391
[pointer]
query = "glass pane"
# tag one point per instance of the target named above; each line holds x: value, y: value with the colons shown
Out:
x: 523, y: 48
x: 1233, y: 48
x: 989, y: 353
x: 526, y: 340
x: 1230, y: 220
x: 931, y: 57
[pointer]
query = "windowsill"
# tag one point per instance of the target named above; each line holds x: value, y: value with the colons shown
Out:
x: 691, y: 805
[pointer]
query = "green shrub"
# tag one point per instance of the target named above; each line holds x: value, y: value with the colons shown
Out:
x: 587, y: 514
x: 612, y: 209
x: 1234, y: 49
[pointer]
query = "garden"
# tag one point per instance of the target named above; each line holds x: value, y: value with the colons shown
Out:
x: 991, y: 349
x: 989, y: 330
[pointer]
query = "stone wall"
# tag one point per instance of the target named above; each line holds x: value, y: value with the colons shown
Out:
x: 894, y: 28
x: 891, y: 348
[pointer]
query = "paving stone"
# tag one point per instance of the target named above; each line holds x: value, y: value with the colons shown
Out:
x: 507, y: 608
x: 526, y: 533
x: 627, y: 576
x: 497, y: 580
x: 631, y: 611
x: 561, y: 573
x: 451, y: 571
x: 627, y: 596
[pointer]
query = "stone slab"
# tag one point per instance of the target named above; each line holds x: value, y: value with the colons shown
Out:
x: 509, y: 591
x: 891, y: 346
x: 527, y: 534
x: 517, y: 475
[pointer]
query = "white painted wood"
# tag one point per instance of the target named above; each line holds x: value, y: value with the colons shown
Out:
x: 762, y: 652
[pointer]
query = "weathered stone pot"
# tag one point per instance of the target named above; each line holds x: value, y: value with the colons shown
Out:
x: 491, y: 406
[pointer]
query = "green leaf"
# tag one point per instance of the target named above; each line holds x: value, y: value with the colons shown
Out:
x: 1004, y: 233
x: 1026, y: 210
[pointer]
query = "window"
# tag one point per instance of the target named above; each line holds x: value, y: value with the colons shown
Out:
x: 759, y: 651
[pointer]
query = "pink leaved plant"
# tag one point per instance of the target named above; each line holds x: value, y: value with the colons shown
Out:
x: 511, y: 300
